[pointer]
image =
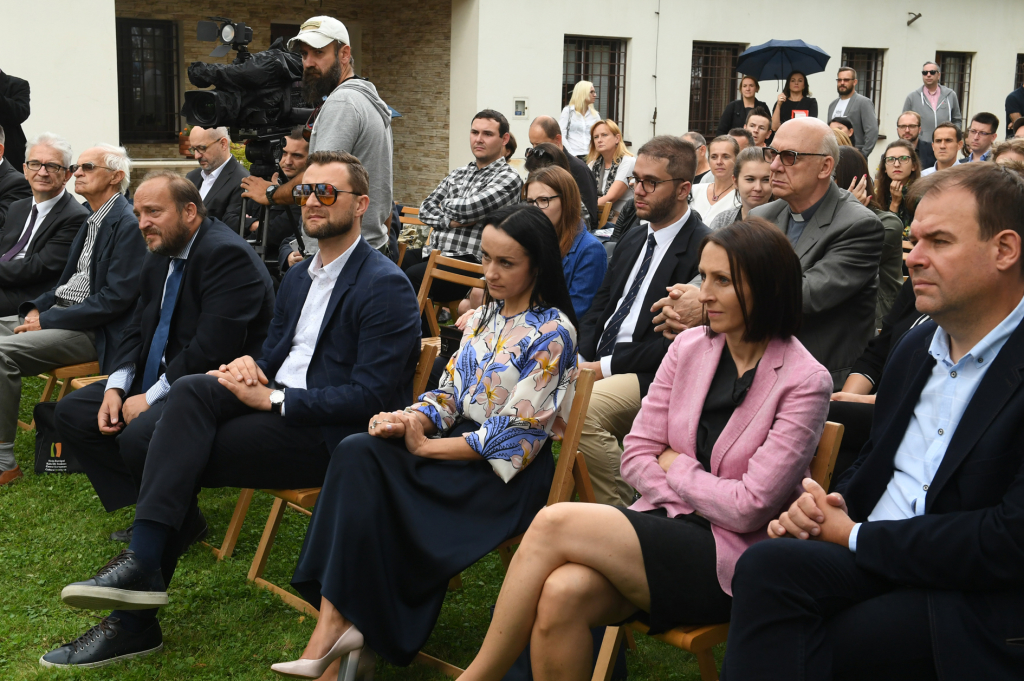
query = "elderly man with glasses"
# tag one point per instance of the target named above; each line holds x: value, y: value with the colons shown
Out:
x: 219, y: 176
x: 57, y: 310
x: 934, y: 103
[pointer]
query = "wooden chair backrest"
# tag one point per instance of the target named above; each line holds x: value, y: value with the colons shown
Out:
x: 824, y: 461
x: 432, y: 272
x: 428, y: 353
x: 571, y: 471
x: 606, y: 210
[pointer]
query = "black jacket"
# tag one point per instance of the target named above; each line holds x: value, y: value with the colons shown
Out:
x: 642, y: 356
x: 967, y: 550
x: 901, y: 318
x: 588, y: 188
x: 47, y: 253
x: 14, y: 110
x: 13, y: 186
x: 113, y: 283
x: 925, y: 153
x: 735, y: 116
x: 224, y: 201
x: 224, y: 306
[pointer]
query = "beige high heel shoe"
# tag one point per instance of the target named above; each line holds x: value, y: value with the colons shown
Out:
x: 350, y: 643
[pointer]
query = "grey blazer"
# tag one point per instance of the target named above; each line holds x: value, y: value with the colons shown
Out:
x: 861, y: 112
x: 839, y: 252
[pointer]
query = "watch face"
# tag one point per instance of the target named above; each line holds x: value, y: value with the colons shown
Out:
x: 277, y: 397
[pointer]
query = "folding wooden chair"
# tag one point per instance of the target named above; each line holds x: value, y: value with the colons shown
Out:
x: 606, y: 210
x: 61, y: 376
x: 432, y: 272
x: 700, y: 639
x: 570, y: 475
x: 303, y: 499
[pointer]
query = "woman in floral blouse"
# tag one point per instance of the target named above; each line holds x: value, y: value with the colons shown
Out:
x: 430, y: 490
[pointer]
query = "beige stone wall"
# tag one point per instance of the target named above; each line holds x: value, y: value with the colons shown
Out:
x: 405, y: 51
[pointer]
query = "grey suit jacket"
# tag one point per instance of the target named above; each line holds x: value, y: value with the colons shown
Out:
x: 861, y: 111
x: 839, y: 252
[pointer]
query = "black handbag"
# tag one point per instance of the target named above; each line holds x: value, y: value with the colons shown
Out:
x: 50, y: 455
x: 451, y: 337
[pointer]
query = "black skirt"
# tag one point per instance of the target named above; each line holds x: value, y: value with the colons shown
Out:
x: 390, y: 529
x: 680, y: 560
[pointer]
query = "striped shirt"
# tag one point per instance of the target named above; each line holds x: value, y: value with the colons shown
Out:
x: 124, y: 376
x: 467, y: 196
x: 77, y: 288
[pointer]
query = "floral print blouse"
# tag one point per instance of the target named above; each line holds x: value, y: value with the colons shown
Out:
x: 516, y: 377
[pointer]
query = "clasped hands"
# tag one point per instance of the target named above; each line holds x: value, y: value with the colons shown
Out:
x: 677, y: 311
x: 246, y: 380
x: 816, y: 515
x: 401, y: 424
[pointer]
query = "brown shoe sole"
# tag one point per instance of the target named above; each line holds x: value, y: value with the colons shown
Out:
x: 10, y: 476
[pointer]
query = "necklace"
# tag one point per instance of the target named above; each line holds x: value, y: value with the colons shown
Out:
x: 715, y: 196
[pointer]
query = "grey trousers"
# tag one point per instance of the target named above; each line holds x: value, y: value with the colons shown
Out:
x: 32, y: 353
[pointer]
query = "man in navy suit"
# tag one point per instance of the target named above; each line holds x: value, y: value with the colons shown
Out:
x: 915, y: 569
x: 342, y: 347
x: 204, y: 298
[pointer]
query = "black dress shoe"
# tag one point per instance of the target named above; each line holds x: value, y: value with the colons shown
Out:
x: 121, y: 583
x: 106, y: 643
x: 123, y: 536
x: 197, y: 532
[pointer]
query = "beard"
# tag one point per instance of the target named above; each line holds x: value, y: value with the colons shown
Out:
x: 657, y: 212
x: 336, y: 225
x: 172, y: 241
x: 843, y: 90
x: 316, y: 85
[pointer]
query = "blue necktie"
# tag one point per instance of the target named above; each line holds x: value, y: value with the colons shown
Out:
x: 611, y: 332
x: 163, y: 329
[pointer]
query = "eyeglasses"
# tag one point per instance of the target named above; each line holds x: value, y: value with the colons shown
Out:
x: 542, y: 201
x: 929, y: 73
x: 907, y: 127
x: 307, y: 130
x: 979, y: 133
x: 201, y: 148
x: 326, y: 194
x: 87, y: 167
x: 788, y: 157
x: 35, y: 166
x: 893, y: 160
x: 651, y: 186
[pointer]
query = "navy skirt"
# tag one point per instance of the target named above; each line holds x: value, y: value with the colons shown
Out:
x: 390, y: 529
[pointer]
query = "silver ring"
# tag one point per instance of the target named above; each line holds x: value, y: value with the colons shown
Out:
x: 373, y: 423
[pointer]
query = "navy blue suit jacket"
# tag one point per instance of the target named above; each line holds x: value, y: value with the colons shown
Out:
x: 117, y: 258
x: 367, y: 350
x: 967, y: 550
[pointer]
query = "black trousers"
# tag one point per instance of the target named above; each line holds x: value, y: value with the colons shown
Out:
x: 856, y: 417
x: 207, y: 438
x: 440, y: 291
x: 804, y: 610
x: 114, y: 463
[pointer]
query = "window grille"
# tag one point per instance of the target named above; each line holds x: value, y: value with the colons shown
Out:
x: 869, y: 64
x: 602, y: 61
x: 714, y: 83
x: 956, y: 75
x: 147, y: 80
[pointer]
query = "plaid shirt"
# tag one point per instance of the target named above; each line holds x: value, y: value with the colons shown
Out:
x: 468, y: 195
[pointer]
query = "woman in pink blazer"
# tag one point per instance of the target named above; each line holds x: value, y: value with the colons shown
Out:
x: 723, y: 439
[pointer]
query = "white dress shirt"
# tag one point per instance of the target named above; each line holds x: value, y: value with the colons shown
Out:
x: 42, y: 210
x: 209, y: 179
x: 292, y: 373
x: 937, y: 414
x: 664, y: 238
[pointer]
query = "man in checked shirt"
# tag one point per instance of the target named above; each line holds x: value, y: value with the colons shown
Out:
x: 455, y: 209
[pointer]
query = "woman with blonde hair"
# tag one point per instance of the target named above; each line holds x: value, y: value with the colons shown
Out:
x: 578, y: 118
x: 612, y: 166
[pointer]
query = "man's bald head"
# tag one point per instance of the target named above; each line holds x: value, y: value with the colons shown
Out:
x: 809, y: 177
x: 545, y: 129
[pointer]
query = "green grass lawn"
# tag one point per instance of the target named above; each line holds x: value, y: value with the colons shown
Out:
x: 53, y: 531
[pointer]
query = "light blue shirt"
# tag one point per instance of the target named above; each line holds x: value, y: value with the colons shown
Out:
x: 943, y: 400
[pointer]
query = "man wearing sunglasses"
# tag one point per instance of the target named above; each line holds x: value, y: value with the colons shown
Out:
x: 342, y: 346
x: 933, y: 102
x: 83, y: 317
x: 838, y: 241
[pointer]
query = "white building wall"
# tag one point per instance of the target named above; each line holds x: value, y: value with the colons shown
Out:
x: 66, y: 50
x: 519, y: 52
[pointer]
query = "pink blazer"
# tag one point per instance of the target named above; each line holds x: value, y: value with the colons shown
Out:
x: 760, y: 458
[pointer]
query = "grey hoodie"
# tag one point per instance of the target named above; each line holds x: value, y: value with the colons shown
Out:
x: 947, y: 110
x: 355, y: 119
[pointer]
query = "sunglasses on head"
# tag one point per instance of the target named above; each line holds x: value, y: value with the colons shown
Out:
x: 326, y: 194
x: 536, y: 151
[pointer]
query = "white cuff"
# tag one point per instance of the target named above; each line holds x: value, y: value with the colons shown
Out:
x: 122, y: 378
x: 158, y: 390
x: 606, y: 366
x: 853, y: 537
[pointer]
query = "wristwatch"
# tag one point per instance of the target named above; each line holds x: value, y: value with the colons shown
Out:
x: 270, y: 193
x: 276, y: 401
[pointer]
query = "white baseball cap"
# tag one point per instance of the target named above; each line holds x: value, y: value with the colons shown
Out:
x: 319, y: 32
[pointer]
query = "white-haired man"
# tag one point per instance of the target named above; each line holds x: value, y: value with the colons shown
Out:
x: 80, y: 316
x: 219, y: 176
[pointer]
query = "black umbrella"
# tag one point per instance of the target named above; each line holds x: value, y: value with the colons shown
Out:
x: 776, y: 59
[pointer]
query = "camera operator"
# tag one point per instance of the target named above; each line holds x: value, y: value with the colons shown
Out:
x: 349, y: 116
x: 284, y: 219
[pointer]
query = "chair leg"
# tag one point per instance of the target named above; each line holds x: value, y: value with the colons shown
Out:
x: 259, y: 561
x: 506, y: 553
x: 706, y: 664
x: 227, y: 547
x: 609, y: 651
x: 51, y: 383
x: 455, y: 583
x: 630, y: 641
